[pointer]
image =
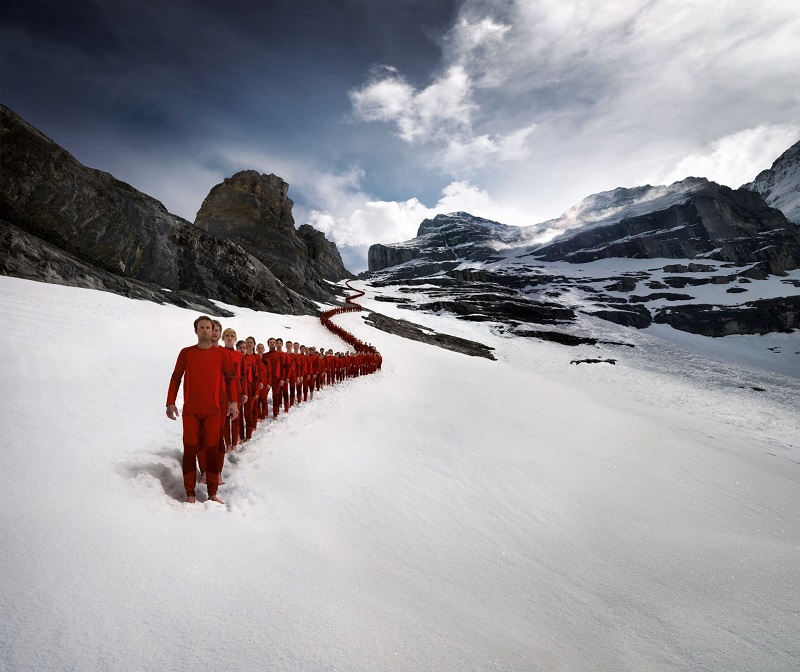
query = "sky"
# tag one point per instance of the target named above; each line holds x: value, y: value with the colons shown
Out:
x: 380, y: 114
x: 641, y: 516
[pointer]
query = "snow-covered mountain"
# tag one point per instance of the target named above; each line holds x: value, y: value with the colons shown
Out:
x: 780, y: 184
x: 695, y: 254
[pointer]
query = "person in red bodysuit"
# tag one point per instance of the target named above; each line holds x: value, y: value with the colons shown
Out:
x: 252, y: 374
x: 275, y: 359
x: 205, y: 370
x: 216, y: 332
x: 230, y: 430
x: 285, y: 369
x: 292, y: 376
x: 300, y: 365
x: 266, y: 380
x: 241, y: 348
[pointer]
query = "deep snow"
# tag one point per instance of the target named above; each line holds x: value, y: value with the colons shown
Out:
x: 448, y: 513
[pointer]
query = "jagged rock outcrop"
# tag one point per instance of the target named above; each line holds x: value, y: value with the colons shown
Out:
x: 106, y: 223
x: 384, y: 256
x: 711, y: 222
x: 255, y: 212
x: 754, y: 317
x: 780, y: 184
x: 323, y: 254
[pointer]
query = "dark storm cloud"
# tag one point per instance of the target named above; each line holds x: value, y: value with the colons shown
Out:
x: 175, y: 78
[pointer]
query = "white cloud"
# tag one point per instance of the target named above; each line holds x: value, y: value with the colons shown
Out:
x: 730, y: 160
x: 614, y: 91
x: 440, y: 115
x: 394, y: 221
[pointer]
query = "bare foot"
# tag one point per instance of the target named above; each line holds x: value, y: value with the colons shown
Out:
x: 216, y: 499
x: 203, y: 478
x: 190, y: 500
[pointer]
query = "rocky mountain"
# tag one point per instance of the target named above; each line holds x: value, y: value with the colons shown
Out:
x: 444, y: 242
x: 691, y: 219
x: 63, y: 222
x: 255, y: 212
x: 695, y: 255
x: 780, y: 184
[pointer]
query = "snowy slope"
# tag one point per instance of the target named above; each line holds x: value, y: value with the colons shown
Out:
x: 449, y: 513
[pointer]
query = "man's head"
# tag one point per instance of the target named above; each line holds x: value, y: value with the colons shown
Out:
x: 288, y: 346
x: 271, y: 343
x: 203, y: 318
x: 216, y: 332
x: 296, y: 347
x: 203, y: 327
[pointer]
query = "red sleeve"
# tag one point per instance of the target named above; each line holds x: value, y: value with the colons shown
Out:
x: 230, y: 376
x: 177, y: 376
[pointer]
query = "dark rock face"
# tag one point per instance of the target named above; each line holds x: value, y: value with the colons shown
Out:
x: 754, y: 317
x: 23, y: 255
x: 415, y: 332
x: 714, y: 222
x: 105, y: 223
x: 385, y: 256
x: 323, y: 255
x: 631, y: 316
x: 255, y: 212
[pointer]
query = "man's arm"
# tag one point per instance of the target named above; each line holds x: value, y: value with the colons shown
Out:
x: 175, y: 384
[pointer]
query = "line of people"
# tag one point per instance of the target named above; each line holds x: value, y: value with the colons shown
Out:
x: 226, y: 389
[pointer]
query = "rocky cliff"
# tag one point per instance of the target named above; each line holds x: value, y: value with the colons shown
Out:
x: 255, y: 212
x: 64, y: 222
x: 780, y: 184
x: 710, y: 221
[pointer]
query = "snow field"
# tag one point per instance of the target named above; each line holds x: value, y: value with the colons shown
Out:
x: 448, y: 513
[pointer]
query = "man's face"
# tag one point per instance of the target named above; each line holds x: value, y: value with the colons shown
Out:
x: 229, y: 340
x: 216, y: 333
x: 296, y: 348
x: 288, y: 346
x: 260, y: 348
x: 271, y: 343
x: 204, y: 331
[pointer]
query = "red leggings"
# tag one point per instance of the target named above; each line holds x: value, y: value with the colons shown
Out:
x: 263, y: 407
x: 276, y: 398
x: 200, y: 436
x: 292, y: 389
x: 249, y: 418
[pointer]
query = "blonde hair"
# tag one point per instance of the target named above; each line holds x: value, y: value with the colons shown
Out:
x: 228, y: 331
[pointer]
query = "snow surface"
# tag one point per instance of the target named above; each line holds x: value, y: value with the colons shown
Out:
x: 448, y: 513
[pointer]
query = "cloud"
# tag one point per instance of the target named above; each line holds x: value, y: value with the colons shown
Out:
x: 563, y: 98
x: 393, y: 221
x: 440, y: 115
x: 730, y: 160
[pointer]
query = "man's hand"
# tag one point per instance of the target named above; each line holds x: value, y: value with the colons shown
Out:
x: 233, y: 410
x: 172, y: 412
